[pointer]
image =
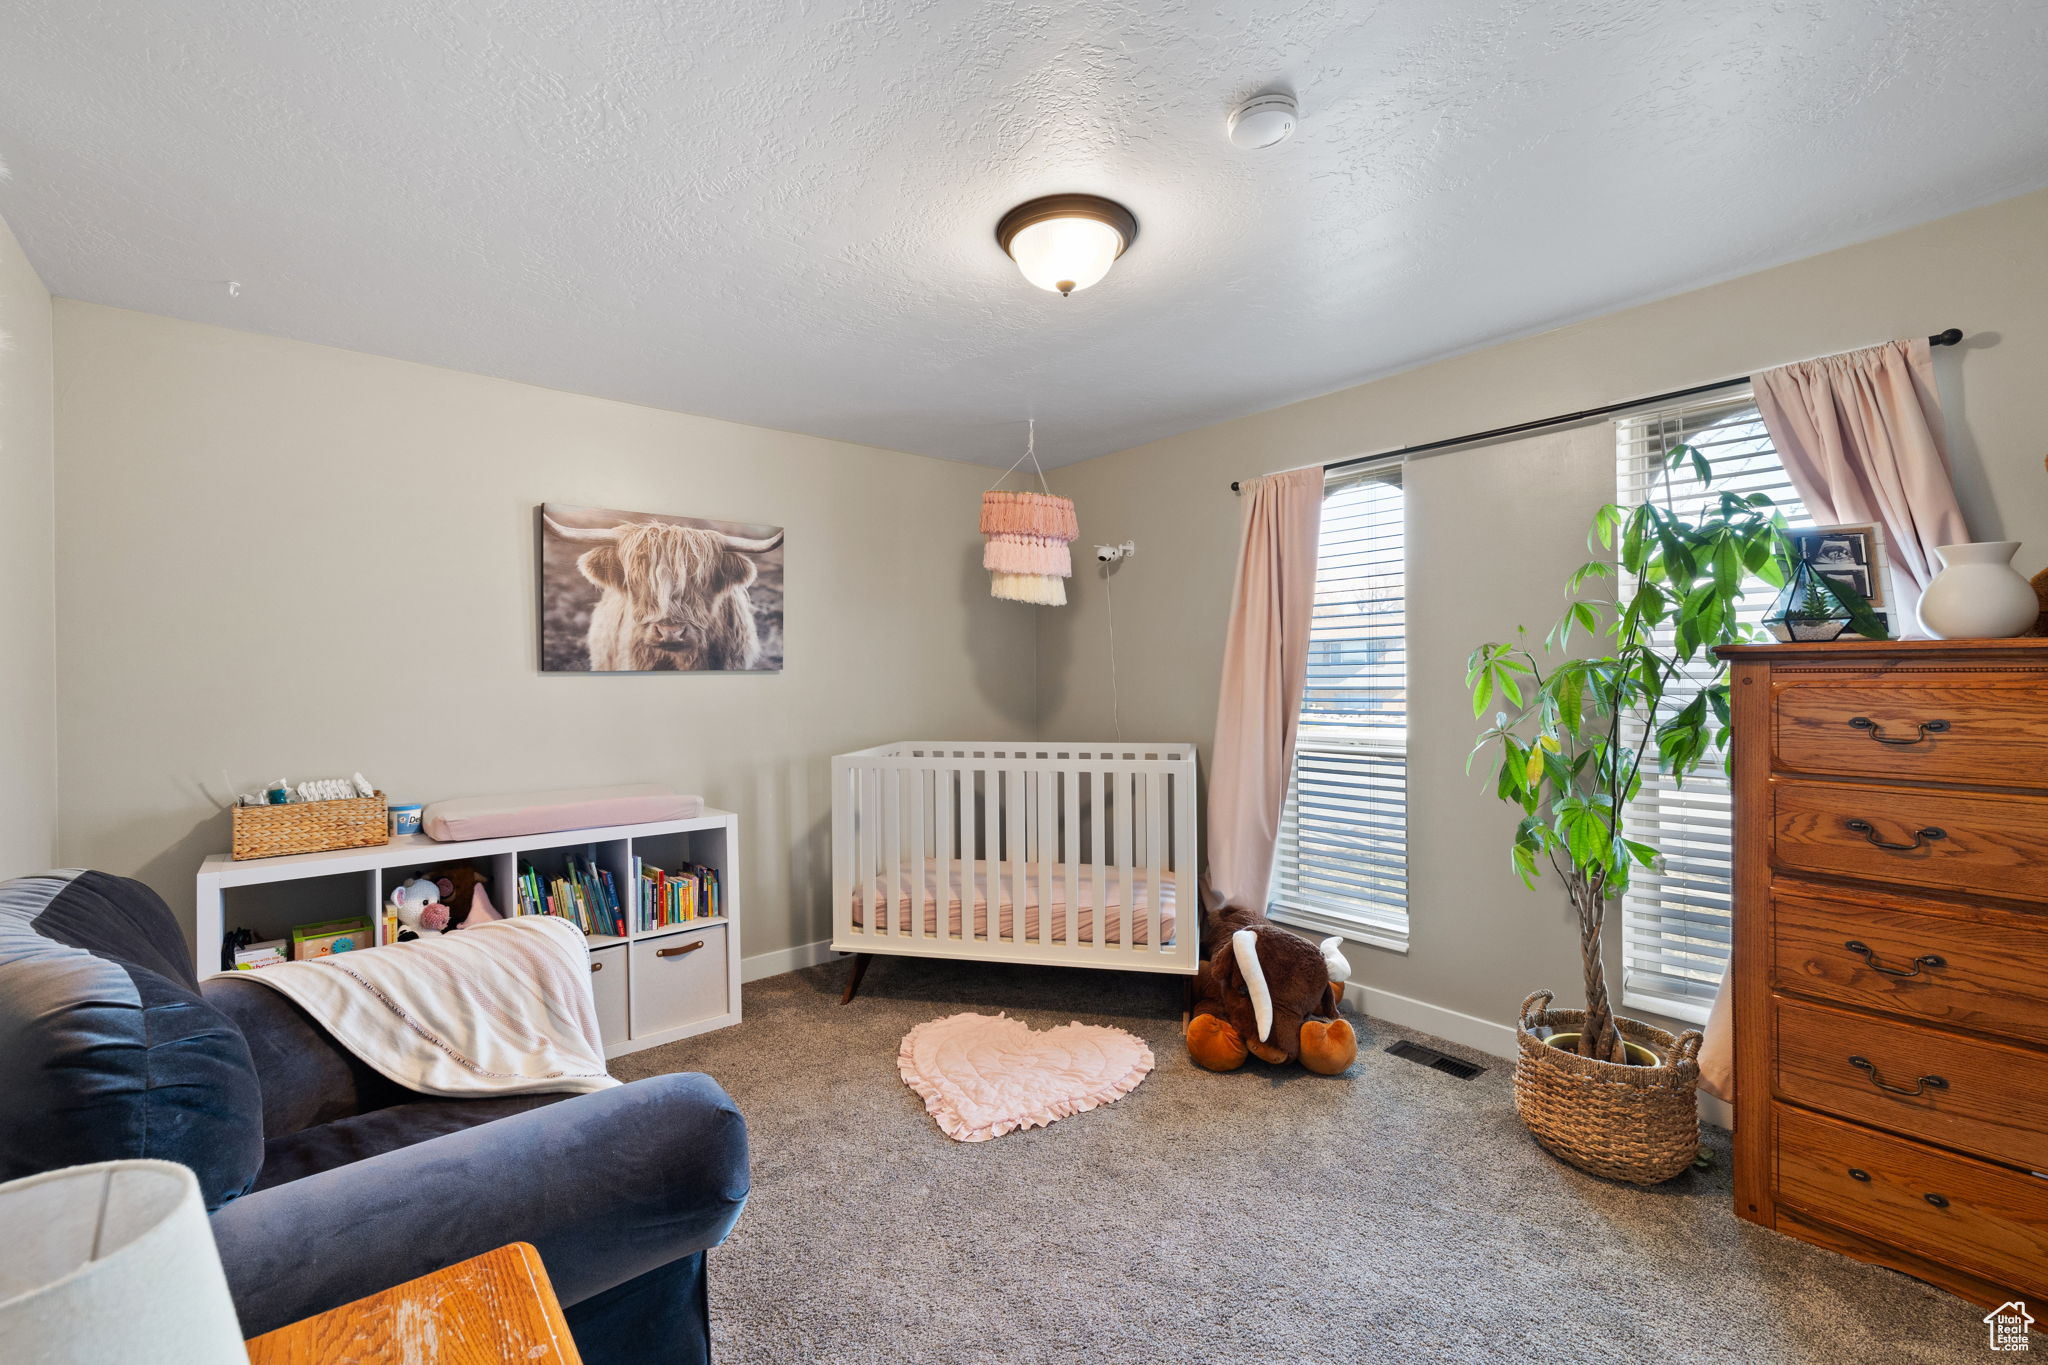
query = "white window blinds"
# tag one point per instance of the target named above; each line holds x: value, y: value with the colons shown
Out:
x: 1342, y: 863
x: 1675, y: 919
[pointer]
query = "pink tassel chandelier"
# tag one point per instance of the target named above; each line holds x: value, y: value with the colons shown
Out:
x: 1027, y: 554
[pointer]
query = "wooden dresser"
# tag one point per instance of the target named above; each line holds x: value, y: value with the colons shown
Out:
x: 1891, y: 954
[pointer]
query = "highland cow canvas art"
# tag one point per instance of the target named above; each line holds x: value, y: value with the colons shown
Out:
x: 643, y: 592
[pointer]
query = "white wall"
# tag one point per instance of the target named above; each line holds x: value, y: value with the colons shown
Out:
x: 1480, y: 942
x: 28, y: 739
x: 281, y: 559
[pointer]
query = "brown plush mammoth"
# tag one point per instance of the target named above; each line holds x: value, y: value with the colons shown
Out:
x: 1268, y: 994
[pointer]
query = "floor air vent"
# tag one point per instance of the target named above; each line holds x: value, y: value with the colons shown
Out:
x: 1430, y: 1057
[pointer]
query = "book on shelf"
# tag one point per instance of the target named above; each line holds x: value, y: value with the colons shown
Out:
x: 268, y: 953
x: 663, y: 899
x: 584, y: 894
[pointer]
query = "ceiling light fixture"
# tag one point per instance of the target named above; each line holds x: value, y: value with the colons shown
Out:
x: 1065, y: 242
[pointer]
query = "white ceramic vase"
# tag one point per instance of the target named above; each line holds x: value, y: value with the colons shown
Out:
x: 1978, y: 595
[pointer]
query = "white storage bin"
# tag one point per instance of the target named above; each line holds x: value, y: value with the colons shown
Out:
x: 608, y: 984
x: 679, y: 979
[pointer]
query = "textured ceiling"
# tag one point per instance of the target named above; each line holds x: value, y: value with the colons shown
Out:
x: 781, y: 212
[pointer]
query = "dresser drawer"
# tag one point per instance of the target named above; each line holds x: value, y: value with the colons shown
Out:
x: 608, y: 988
x: 1989, y: 970
x: 678, y: 979
x: 1990, y: 730
x: 1985, y: 1098
x: 1952, y: 841
x: 1980, y: 1218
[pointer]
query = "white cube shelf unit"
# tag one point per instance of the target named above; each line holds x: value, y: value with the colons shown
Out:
x: 652, y: 986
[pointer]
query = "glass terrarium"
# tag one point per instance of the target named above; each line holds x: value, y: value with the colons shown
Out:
x: 1809, y: 608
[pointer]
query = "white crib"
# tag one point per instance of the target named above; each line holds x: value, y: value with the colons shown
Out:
x: 1067, y: 855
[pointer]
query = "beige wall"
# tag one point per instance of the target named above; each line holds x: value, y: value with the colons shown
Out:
x: 1480, y: 942
x: 28, y: 740
x: 281, y: 559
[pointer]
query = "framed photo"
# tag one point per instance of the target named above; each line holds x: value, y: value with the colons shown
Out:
x: 1850, y: 555
x: 648, y: 592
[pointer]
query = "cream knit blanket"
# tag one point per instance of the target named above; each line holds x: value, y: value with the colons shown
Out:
x: 499, y: 1008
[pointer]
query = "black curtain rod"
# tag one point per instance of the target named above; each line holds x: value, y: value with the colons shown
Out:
x: 1948, y: 338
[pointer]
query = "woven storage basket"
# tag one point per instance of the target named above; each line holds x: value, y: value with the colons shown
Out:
x: 311, y: 827
x: 1640, y: 1124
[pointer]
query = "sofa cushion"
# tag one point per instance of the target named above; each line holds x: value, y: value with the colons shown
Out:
x: 107, y: 1049
x: 307, y: 1077
x: 337, y: 1143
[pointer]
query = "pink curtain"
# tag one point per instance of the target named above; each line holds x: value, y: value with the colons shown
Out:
x: 1265, y: 666
x: 1860, y: 435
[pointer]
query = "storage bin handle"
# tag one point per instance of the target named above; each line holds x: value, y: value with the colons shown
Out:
x: 692, y: 946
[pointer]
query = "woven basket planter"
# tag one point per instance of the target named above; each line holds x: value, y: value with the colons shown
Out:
x: 1635, y: 1123
x: 311, y: 827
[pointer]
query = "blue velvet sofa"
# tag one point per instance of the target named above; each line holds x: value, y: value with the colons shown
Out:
x: 326, y: 1181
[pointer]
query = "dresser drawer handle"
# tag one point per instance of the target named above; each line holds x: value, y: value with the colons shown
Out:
x: 1939, y: 1201
x: 1863, y: 1176
x: 1927, y: 727
x: 1925, y: 960
x: 1926, y: 1083
x: 689, y: 947
x: 1920, y: 837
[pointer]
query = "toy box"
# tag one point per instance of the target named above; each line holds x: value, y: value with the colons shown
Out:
x: 334, y: 936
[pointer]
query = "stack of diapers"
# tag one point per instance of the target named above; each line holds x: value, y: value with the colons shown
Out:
x: 1027, y: 555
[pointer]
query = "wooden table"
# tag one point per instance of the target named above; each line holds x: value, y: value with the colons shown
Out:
x: 495, y: 1307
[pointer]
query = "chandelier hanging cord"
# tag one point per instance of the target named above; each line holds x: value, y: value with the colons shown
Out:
x: 1030, y: 453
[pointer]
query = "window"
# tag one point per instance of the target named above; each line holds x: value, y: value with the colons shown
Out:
x: 1675, y: 920
x: 1342, y: 864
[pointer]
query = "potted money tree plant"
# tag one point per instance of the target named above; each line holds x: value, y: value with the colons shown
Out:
x: 1628, y: 678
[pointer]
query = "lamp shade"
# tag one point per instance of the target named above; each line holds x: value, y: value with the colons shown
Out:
x: 1065, y: 242
x: 113, y: 1262
x: 1065, y: 254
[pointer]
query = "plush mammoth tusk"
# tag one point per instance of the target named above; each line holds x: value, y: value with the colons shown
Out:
x: 753, y: 547
x: 1245, y: 944
x: 1334, y: 959
x: 587, y: 535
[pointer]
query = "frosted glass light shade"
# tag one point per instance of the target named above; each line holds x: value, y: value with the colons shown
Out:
x: 113, y: 1262
x: 1065, y: 242
x: 1065, y: 254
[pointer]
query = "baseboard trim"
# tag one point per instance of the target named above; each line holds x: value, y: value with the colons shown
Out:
x: 782, y: 960
x: 1482, y: 1035
x: 1468, y: 1030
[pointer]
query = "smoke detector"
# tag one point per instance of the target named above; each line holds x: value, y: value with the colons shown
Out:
x: 1263, y: 121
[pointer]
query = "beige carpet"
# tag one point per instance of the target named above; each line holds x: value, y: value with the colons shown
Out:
x: 1393, y: 1215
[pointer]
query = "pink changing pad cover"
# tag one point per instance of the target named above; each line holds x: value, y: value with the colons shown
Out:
x: 499, y: 817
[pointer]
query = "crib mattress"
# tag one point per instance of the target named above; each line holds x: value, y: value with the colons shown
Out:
x: 943, y: 887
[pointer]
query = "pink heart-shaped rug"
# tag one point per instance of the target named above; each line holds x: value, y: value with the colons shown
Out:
x: 986, y: 1075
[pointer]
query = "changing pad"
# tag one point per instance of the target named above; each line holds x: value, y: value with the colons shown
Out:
x: 499, y: 817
